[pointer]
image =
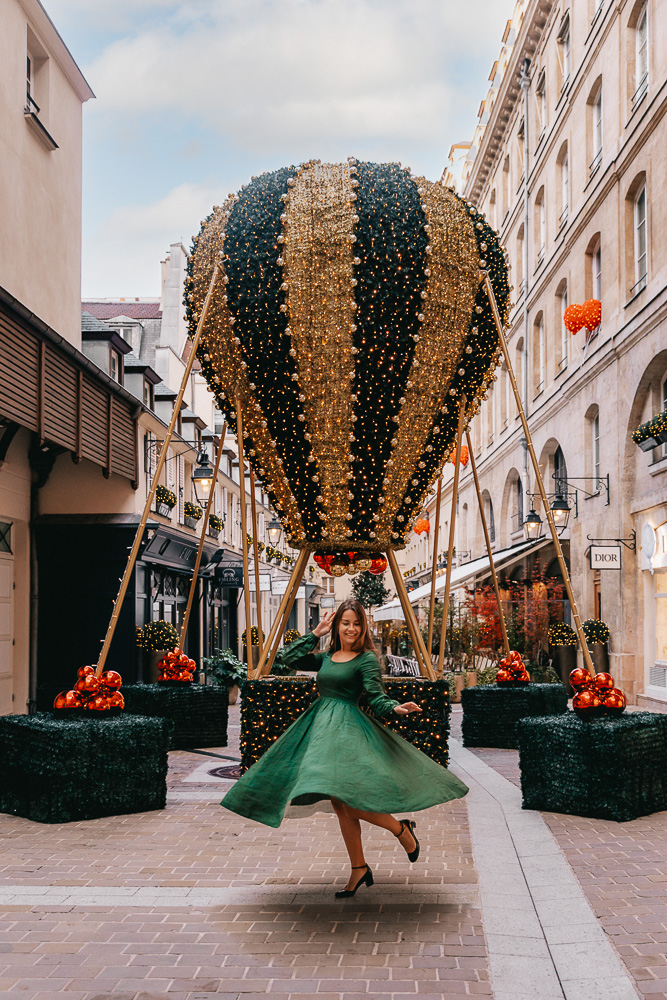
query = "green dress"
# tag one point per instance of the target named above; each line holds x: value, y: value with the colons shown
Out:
x: 335, y: 750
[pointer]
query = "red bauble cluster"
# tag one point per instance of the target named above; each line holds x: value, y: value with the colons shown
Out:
x: 95, y: 694
x: 512, y: 670
x: 589, y: 315
x: 422, y: 524
x: 595, y: 695
x: 356, y: 561
x: 176, y: 666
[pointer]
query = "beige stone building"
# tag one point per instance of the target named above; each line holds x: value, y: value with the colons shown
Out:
x: 567, y: 163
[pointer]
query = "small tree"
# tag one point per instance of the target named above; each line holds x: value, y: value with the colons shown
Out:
x: 370, y: 590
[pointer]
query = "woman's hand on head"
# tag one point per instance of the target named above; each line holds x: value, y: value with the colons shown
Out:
x: 406, y: 708
x: 324, y: 624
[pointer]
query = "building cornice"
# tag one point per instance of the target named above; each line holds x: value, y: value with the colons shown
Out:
x: 532, y: 27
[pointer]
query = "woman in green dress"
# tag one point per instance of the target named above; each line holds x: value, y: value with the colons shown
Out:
x: 336, y: 752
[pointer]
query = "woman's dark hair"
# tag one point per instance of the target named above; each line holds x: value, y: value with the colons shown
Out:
x: 364, y: 642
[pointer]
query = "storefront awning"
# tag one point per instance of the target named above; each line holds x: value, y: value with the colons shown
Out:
x: 460, y: 576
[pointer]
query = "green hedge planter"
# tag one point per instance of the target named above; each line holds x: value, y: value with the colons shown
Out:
x: 604, y: 769
x: 198, y: 713
x: 271, y: 705
x: 491, y: 712
x: 57, y: 770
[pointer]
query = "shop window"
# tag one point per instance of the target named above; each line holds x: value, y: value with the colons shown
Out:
x: 658, y: 672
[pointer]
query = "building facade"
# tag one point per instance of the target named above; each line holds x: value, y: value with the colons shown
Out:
x: 566, y: 164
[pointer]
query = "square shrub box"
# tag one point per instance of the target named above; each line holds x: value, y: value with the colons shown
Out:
x: 605, y: 769
x: 491, y: 711
x: 271, y: 705
x: 55, y: 770
x: 198, y: 712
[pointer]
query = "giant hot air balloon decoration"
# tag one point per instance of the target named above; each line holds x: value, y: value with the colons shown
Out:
x: 348, y: 319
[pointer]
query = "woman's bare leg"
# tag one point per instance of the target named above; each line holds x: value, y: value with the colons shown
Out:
x: 387, y: 822
x: 351, y: 831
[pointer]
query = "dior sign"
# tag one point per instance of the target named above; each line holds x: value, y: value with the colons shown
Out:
x: 605, y: 556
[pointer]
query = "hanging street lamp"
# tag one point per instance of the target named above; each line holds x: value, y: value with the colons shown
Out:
x: 202, y: 477
x: 274, y: 531
x: 532, y: 526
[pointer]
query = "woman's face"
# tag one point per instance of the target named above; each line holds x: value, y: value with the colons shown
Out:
x: 349, y: 629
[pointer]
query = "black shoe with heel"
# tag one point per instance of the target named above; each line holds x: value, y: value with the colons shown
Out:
x: 366, y: 879
x: 409, y: 824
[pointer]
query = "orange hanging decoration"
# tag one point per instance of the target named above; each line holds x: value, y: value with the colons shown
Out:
x: 465, y: 455
x: 592, y: 314
x: 422, y: 524
x: 379, y: 566
x: 573, y: 318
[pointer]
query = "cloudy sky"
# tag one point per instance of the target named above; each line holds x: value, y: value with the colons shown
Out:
x: 195, y: 96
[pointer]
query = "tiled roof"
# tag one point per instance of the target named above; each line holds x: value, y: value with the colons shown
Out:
x: 124, y: 307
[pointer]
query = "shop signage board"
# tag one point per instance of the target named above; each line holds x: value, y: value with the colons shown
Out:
x: 264, y: 582
x: 280, y: 586
x: 229, y: 576
x: 328, y: 602
x: 605, y: 556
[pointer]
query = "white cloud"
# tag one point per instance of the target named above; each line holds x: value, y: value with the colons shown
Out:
x: 272, y: 74
x: 123, y: 256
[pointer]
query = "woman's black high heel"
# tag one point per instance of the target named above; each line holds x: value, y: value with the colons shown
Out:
x: 366, y: 879
x: 409, y: 824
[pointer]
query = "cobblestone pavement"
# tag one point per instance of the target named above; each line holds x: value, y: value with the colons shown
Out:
x: 622, y: 868
x: 193, y: 902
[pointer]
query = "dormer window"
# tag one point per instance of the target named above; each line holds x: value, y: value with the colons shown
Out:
x: 148, y: 395
x: 116, y: 366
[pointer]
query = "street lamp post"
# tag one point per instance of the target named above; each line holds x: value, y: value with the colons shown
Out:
x: 274, y: 531
x: 532, y: 526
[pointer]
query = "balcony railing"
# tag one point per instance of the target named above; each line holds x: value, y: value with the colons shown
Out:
x: 640, y: 92
x: 638, y: 286
x: 562, y: 219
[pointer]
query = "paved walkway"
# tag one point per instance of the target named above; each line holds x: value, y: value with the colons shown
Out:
x: 193, y: 902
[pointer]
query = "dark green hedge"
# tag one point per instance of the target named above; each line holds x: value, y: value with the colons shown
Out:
x: 491, y: 711
x: 606, y: 768
x: 55, y: 770
x: 198, y: 712
x: 271, y: 705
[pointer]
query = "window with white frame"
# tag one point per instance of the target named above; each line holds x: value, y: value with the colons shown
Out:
x: 595, y: 451
x: 540, y: 351
x: 564, y: 333
x: 597, y: 128
x: 565, y: 188
x: 641, y: 255
x: 564, y: 52
x: 596, y: 272
x: 663, y: 397
x: 641, y: 56
x: 541, y: 103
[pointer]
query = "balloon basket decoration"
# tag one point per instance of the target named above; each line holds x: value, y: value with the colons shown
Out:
x: 609, y: 768
x: 271, y: 705
x: 491, y: 712
x: 197, y: 713
x: 62, y: 769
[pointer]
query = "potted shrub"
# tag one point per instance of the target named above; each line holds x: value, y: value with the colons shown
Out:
x: 192, y: 514
x: 563, y: 641
x: 156, y: 639
x: 652, y: 433
x: 165, y: 501
x: 253, y: 652
x: 598, y: 636
x: 226, y: 670
x: 215, y: 525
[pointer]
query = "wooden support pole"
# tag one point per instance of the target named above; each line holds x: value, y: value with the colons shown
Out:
x: 297, y: 573
x: 244, y: 539
x: 487, y: 539
x: 286, y: 606
x: 436, y: 532
x: 538, y: 475
x: 162, y: 458
x: 452, y: 531
x: 421, y: 656
x: 200, y: 547
x: 255, y: 553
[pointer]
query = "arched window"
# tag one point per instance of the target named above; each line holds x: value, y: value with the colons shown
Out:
x: 593, y: 445
x: 490, y: 520
x: 636, y: 235
x: 641, y: 254
x: 639, y: 74
x: 541, y: 104
x: 519, y: 260
x: 540, y: 225
x: 594, y: 126
x: 539, y: 355
x: 519, y: 503
x: 564, y: 53
x: 518, y: 369
x: 561, y: 306
x: 492, y: 209
x: 504, y: 383
x: 506, y: 187
x: 560, y: 474
x: 563, y: 166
